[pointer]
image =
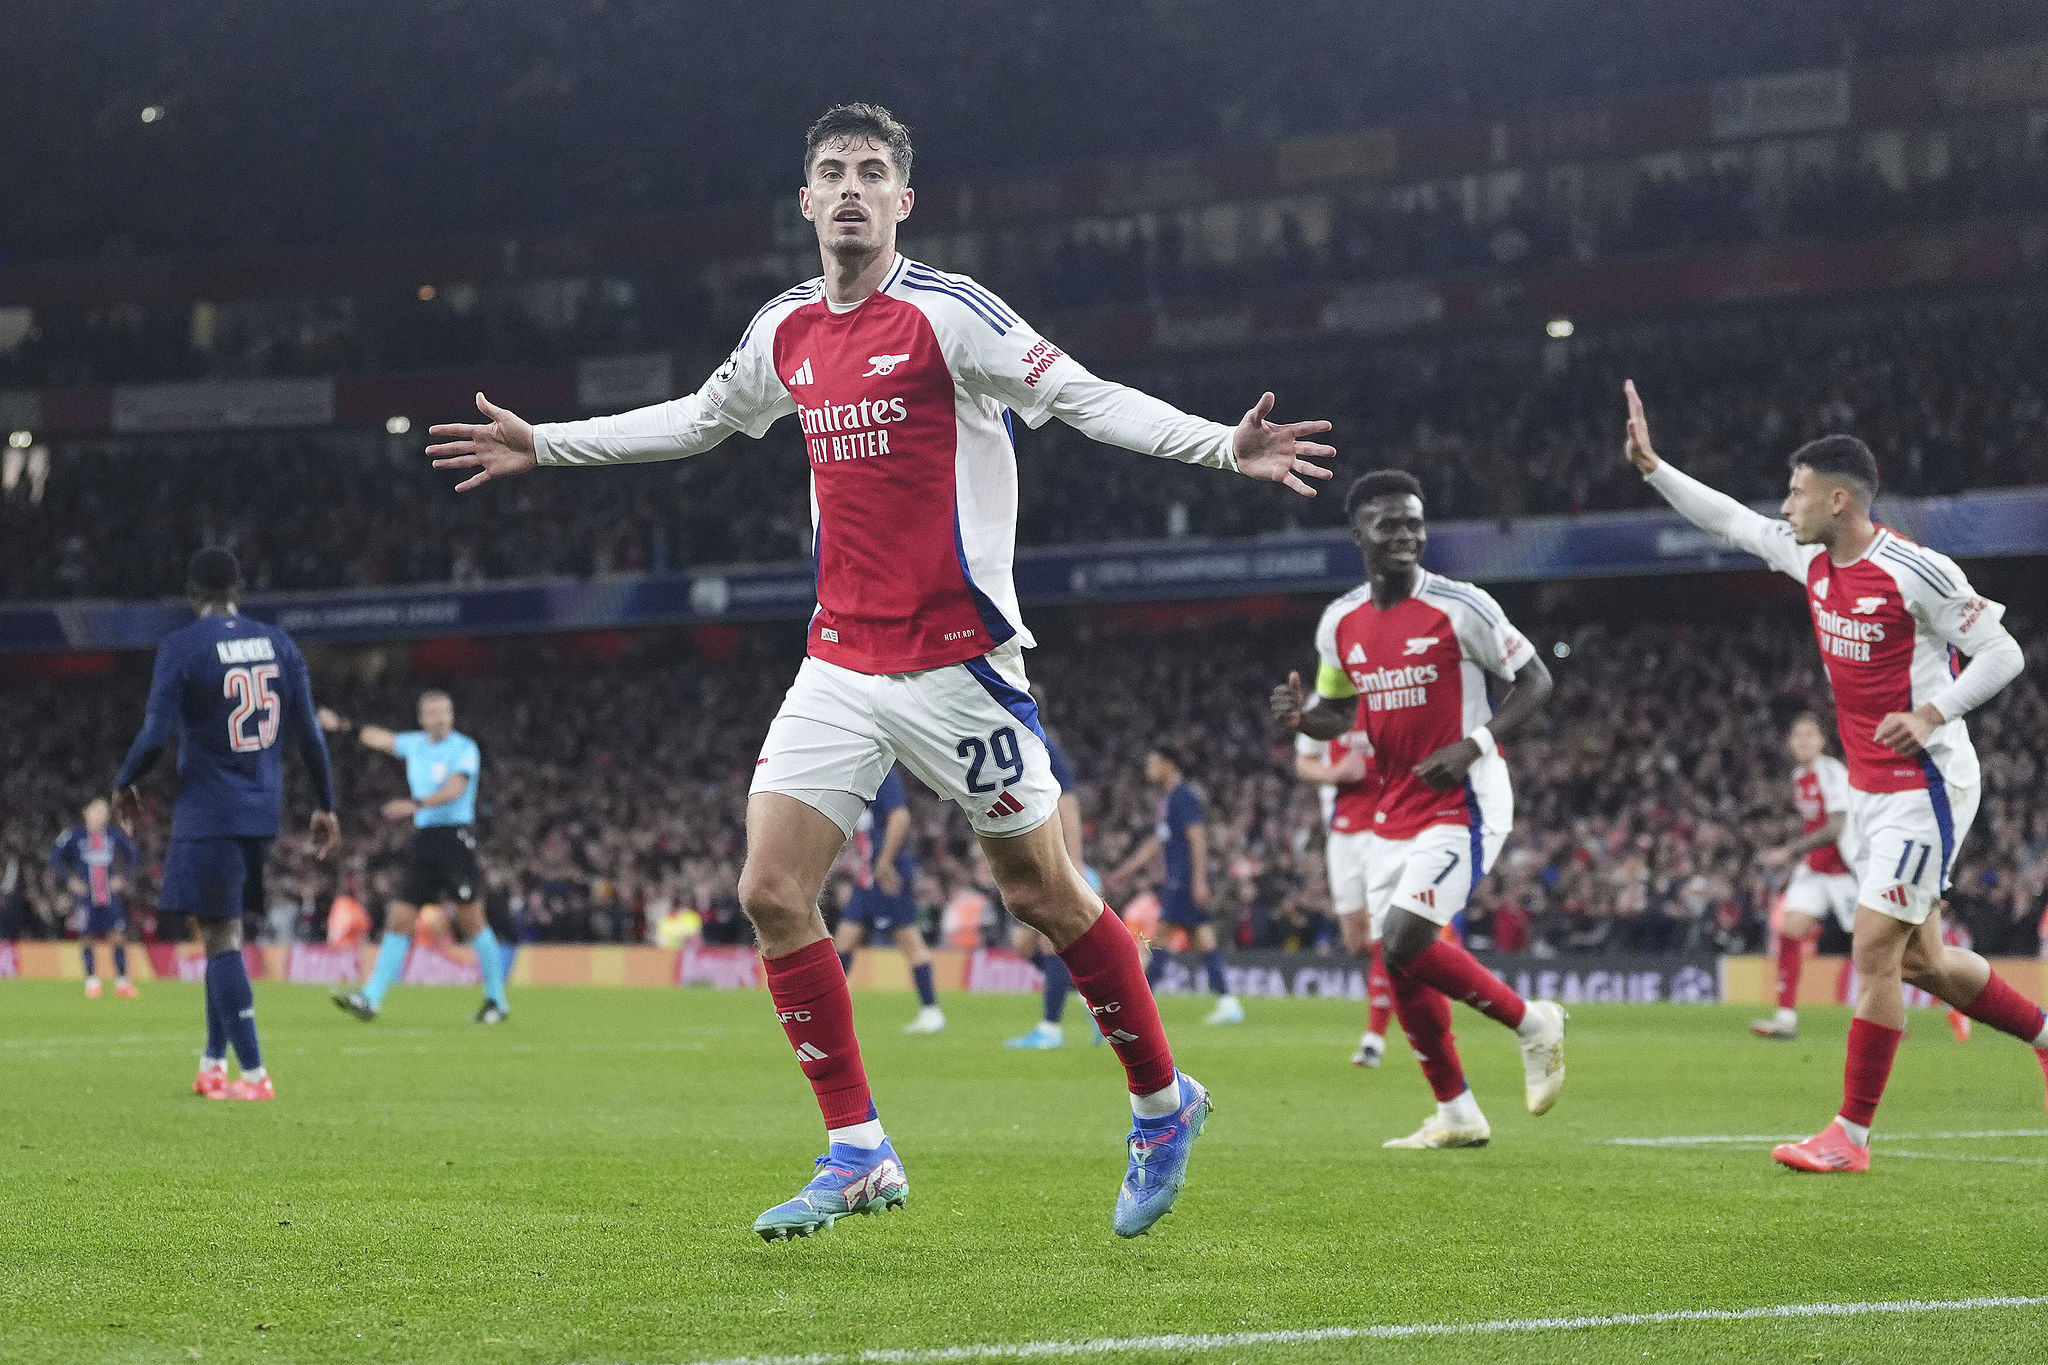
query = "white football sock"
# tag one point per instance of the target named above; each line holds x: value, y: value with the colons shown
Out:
x: 1858, y: 1134
x: 1463, y: 1111
x: 1159, y: 1104
x: 1787, y: 1017
x: 1533, y: 1021
x: 255, y: 1077
x: 2042, y: 1041
x: 867, y: 1134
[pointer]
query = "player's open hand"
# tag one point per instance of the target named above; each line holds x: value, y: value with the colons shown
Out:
x: 330, y: 720
x: 1638, y: 449
x: 1348, y: 769
x: 1906, y: 732
x: 398, y: 808
x: 889, y: 880
x: 1447, y: 767
x: 1287, y: 702
x: 498, y: 450
x: 1276, y: 452
x: 325, y: 829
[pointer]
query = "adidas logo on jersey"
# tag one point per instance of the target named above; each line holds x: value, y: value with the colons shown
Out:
x: 802, y: 375
x: 1866, y: 605
x: 883, y: 364
x: 1006, y: 805
x: 1356, y: 656
x: 1420, y: 644
x: 1897, y: 895
x: 1820, y: 589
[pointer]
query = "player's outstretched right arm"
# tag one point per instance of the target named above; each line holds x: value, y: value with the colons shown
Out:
x: 744, y: 394
x: 1710, y: 510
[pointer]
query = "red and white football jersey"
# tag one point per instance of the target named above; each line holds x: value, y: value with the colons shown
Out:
x: 905, y: 400
x: 1419, y: 671
x: 1892, y: 627
x: 1820, y: 791
x: 1347, y: 806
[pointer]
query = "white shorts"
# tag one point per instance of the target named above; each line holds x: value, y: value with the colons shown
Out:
x: 968, y: 731
x: 1346, y: 855
x: 1431, y: 874
x: 1817, y: 895
x: 1907, y: 842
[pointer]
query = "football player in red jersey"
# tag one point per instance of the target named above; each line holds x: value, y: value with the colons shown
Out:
x: 1893, y: 620
x: 1405, y: 658
x: 905, y: 380
x: 1822, y: 884
x: 1348, y: 789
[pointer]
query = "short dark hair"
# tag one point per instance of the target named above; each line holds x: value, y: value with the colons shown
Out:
x: 1171, y: 753
x: 869, y: 121
x: 1378, y: 484
x: 213, y: 575
x: 1840, y: 457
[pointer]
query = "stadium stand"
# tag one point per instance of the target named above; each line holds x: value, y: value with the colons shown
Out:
x: 1643, y: 795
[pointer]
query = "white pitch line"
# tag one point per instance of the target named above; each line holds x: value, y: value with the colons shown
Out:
x: 1888, y: 1153
x: 1219, y: 1341
x: 1755, y: 1139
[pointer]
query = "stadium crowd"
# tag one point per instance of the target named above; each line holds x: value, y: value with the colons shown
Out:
x: 511, y: 116
x: 1946, y: 394
x: 612, y: 799
x: 1363, y: 234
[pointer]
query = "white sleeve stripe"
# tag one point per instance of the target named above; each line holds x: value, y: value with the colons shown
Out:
x: 913, y: 280
x: 1928, y: 572
x: 800, y: 292
x: 1470, y: 597
x: 962, y: 282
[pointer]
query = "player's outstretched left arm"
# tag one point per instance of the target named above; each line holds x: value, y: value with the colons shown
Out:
x: 1116, y: 415
x: 1447, y: 767
x: 1279, y: 452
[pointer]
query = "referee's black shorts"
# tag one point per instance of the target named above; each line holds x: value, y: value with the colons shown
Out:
x: 440, y: 867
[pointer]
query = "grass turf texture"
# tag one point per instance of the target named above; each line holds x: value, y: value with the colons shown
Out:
x: 579, y: 1185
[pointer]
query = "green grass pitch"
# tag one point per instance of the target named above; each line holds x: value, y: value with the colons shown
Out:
x: 578, y: 1186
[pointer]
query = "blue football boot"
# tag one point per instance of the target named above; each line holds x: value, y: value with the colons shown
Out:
x: 1042, y: 1038
x: 849, y: 1180
x: 1159, y: 1160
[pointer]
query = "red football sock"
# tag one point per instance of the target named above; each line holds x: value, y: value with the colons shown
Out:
x: 1111, y: 980
x: 1791, y: 961
x: 1379, y: 995
x: 2006, y: 1010
x: 1869, y: 1066
x: 1453, y: 970
x: 1425, y: 1016
x: 816, y: 1011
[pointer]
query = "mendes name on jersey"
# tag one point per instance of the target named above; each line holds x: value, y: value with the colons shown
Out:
x: 1418, y: 670
x: 905, y: 402
x: 1819, y: 791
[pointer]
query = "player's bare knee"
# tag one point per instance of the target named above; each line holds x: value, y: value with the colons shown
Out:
x: 773, y: 900
x: 220, y: 935
x: 1405, y: 938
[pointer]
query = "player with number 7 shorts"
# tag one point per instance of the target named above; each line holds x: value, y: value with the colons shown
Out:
x: 1405, y: 658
